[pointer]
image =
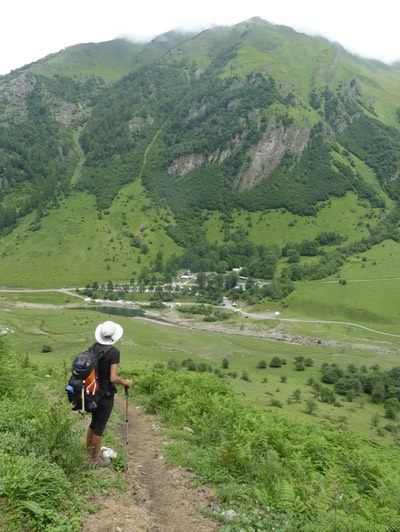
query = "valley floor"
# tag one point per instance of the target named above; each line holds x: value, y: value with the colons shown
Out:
x: 253, y: 326
x: 275, y: 333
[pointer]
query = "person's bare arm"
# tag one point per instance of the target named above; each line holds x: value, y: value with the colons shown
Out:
x: 117, y: 380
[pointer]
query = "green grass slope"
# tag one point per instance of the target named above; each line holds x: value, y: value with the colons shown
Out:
x: 368, y: 294
x: 74, y: 246
x: 347, y: 216
x: 109, y: 60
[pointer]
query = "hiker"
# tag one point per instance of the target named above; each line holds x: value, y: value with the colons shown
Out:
x: 106, y: 334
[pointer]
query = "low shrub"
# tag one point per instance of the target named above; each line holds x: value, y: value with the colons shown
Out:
x: 40, y: 451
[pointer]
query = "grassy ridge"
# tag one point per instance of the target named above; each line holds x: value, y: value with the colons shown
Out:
x: 109, y: 60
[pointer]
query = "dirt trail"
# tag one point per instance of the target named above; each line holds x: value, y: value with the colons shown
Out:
x: 159, y: 498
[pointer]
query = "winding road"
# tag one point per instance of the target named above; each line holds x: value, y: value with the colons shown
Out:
x: 227, y: 304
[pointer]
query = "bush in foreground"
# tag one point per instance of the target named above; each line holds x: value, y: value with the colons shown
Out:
x: 40, y: 452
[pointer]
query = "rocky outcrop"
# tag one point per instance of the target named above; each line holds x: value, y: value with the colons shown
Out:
x: 265, y: 156
x: 184, y: 165
x: 270, y: 150
x: 13, y: 107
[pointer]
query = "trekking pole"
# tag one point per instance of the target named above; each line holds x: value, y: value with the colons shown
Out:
x: 127, y: 427
x: 83, y: 397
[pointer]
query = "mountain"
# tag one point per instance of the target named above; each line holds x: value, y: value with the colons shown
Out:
x: 192, y: 147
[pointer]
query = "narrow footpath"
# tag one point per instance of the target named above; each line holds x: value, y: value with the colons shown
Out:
x: 159, y: 498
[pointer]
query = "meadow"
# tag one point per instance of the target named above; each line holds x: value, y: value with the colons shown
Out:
x: 367, y: 294
x: 76, y: 246
x: 54, y: 327
x: 342, y: 215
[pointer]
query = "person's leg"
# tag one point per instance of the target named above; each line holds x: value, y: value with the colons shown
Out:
x: 89, y: 442
x: 100, y: 418
x: 96, y: 445
x: 94, y: 422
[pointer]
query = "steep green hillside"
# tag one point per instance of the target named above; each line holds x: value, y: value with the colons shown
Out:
x: 43, y: 108
x: 222, y: 130
x: 252, y: 146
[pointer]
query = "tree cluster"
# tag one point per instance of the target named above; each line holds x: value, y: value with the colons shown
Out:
x: 382, y: 386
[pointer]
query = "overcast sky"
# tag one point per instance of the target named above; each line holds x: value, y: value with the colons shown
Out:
x: 32, y: 29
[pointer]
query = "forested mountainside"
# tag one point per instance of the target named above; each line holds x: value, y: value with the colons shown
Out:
x: 253, y: 117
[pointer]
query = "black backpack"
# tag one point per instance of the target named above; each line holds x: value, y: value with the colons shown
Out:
x: 83, y: 388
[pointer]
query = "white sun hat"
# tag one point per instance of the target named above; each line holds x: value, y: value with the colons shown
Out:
x: 108, y: 333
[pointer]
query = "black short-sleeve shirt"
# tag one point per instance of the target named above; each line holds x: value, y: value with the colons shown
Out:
x: 112, y: 356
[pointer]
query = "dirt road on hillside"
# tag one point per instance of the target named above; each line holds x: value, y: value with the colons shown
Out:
x: 159, y: 498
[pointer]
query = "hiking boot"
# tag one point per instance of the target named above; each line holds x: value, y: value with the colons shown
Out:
x: 99, y: 461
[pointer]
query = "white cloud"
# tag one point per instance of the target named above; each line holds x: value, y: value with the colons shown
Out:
x: 33, y: 29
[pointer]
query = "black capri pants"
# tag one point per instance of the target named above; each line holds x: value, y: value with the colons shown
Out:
x: 101, y: 415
